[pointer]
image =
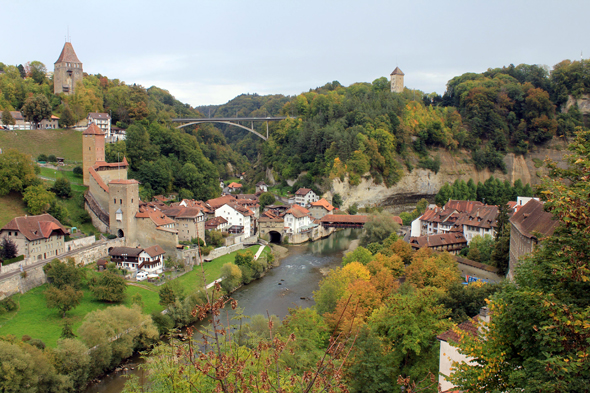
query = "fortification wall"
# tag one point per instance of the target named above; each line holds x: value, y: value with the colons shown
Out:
x: 147, y: 235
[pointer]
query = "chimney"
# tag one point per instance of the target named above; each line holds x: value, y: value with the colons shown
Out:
x: 484, y: 316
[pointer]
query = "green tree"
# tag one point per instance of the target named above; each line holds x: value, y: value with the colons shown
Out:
x: 7, y: 118
x: 37, y: 71
x: 482, y: 247
x: 360, y: 254
x: 265, y: 199
x: 64, y: 299
x: 67, y: 118
x: 36, y: 108
x: 167, y: 295
x: 17, y: 172
x: 337, y: 200
x: 353, y: 209
x: 78, y: 171
x: 66, y: 330
x: 109, y: 287
x: 71, y: 357
x: 379, y: 227
x: 38, y: 199
x: 62, y: 188
x: 61, y: 274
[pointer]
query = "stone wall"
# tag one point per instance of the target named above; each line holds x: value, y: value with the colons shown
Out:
x: 148, y: 235
x: 79, y: 243
x: 313, y: 235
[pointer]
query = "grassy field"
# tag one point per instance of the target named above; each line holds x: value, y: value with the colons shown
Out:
x: 11, y: 206
x: 61, y: 143
x: 34, y: 319
x: 53, y: 174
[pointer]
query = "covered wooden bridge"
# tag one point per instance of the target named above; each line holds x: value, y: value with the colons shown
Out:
x: 343, y: 221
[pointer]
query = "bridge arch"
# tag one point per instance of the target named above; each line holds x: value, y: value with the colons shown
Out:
x: 275, y: 237
x: 224, y: 122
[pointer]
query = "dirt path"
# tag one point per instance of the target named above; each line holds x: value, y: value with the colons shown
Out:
x: 141, y: 286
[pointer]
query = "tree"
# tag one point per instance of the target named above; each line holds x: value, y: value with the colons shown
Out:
x: 265, y: 199
x: 36, y: 108
x: 480, y: 249
x: 64, y: 299
x: 231, y: 277
x: 109, y: 287
x: 379, y: 227
x: 167, y: 295
x: 71, y: 357
x: 62, y: 188
x: 17, y: 172
x: 61, y: 274
x: 537, y: 338
x: 8, y: 248
x: 67, y: 118
x: 78, y: 171
x: 66, y: 330
x: 360, y: 254
x: 37, y: 71
x: 7, y: 118
x: 432, y: 270
x: 38, y: 199
x: 353, y: 209
x: 337, y: 200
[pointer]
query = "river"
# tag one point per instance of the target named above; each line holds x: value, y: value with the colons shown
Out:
x: 289, y: 285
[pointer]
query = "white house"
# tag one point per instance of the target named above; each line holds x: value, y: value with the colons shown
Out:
x: 297, y: 219
x: 151, y: 260
x: 261, y: 187
x: 103, y: 121
x: 305, y: 196
x: 237, y: 216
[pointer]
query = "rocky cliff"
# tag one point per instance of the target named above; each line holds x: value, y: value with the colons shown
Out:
x: 422, y: 183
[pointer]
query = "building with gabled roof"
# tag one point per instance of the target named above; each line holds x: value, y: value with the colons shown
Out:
x: 36, y: 237
x: 305, y: 196
x: 298, y: 220
x: 320, y: 208
x: 217, y: 224
x: 527, y: 227
x: 67, y: 71
x: 189, y: 221
x: 450, y: 242
x: 103, y: 121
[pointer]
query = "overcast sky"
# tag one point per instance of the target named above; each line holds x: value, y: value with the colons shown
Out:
x: 207, y: 52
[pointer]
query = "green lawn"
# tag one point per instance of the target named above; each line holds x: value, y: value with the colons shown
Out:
x: 75, y: 181
x: 34, y: 319
x: 61, y: 143
x: 11, y: 206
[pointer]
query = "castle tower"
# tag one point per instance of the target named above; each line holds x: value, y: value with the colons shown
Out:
x: 397, y: 81
x: 123, y: 205
x: 92, y: 149
x: 67, y: 71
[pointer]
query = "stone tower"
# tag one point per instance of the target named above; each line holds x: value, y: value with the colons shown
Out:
x: 123, y: 205
x: 92, y: 149
x: 397, y: 81
x: 67, y: 71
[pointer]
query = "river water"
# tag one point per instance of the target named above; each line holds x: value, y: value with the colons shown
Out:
x: 289, y: 285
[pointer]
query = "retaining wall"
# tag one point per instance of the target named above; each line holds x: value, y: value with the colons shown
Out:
x: 79, y: 243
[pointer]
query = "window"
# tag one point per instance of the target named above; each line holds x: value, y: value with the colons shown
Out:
x: 115, y: 201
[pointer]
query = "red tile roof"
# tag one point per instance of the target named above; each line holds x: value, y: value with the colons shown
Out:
x: 345, y: 218
x: 216, y: 203
x: 215, y: 222
x: 98, y: 115
x: 323, y: 203
x: 468, y: 327
x: 234, y: 185
x: 303, y: 191
x: 181, y: 211
x: 93, y: 129
x: 154, y: 251
x: 36, y: 227
x: 158, y: 217
x: 297, y: 211
x: 532, y: 218
x: 438, y: 240
x: 398, y: 220
x: 68, y: 55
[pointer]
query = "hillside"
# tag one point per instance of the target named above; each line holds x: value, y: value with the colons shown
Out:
x: 61, y: 143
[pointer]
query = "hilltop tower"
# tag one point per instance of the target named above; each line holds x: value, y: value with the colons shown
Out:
x: 67, y: 71
x: 397, y: 81
x: 92, y: 149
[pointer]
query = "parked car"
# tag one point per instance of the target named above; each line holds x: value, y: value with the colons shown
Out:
x: 141, y: 276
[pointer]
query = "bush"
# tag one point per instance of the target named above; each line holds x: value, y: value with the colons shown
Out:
x: 51, y: 158
x: 13, y: 260
x: 42, y: 157
x: 78, y: 171
x: 429, y: 163
x: 8, y: 304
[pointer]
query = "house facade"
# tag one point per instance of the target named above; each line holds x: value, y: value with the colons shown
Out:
x: 320, y: 208
x: 189, y: 221
x: 452, y: 242
x: 237, y: 216
x: 103, y: 121
x: 297, y: 220
x: 151, y: 260
x: 36, y: 237
x: 305, y: 196
x: 530, y: 223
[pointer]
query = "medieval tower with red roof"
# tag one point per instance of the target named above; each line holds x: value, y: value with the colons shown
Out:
x: 67, y: 71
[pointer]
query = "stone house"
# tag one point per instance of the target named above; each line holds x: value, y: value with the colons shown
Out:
x: 320, y: 208
x: 36, y: 237
x: 305, y: 196
x: 527, y: 226
x: 217, y: 224
x: 189, y: 221
x: 51, y: 123
x: 19, y: 121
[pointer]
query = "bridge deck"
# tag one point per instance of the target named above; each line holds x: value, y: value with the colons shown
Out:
x: 218, y: 119
x: 343, y: 221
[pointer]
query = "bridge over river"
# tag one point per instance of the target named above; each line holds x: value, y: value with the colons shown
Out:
x: 232, y: 121
x: 343, y: 221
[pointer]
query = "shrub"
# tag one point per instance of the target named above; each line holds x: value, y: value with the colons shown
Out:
x: 42, y: 157
x: 429, y: 163
x: 78, y: 171
x: 8, y: 304
x: 51, y: 158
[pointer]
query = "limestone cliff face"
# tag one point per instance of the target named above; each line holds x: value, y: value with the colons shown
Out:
x: 422, y: 183
x: 583, y: 104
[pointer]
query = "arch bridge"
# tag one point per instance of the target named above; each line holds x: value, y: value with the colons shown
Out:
x: 232, y: 121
